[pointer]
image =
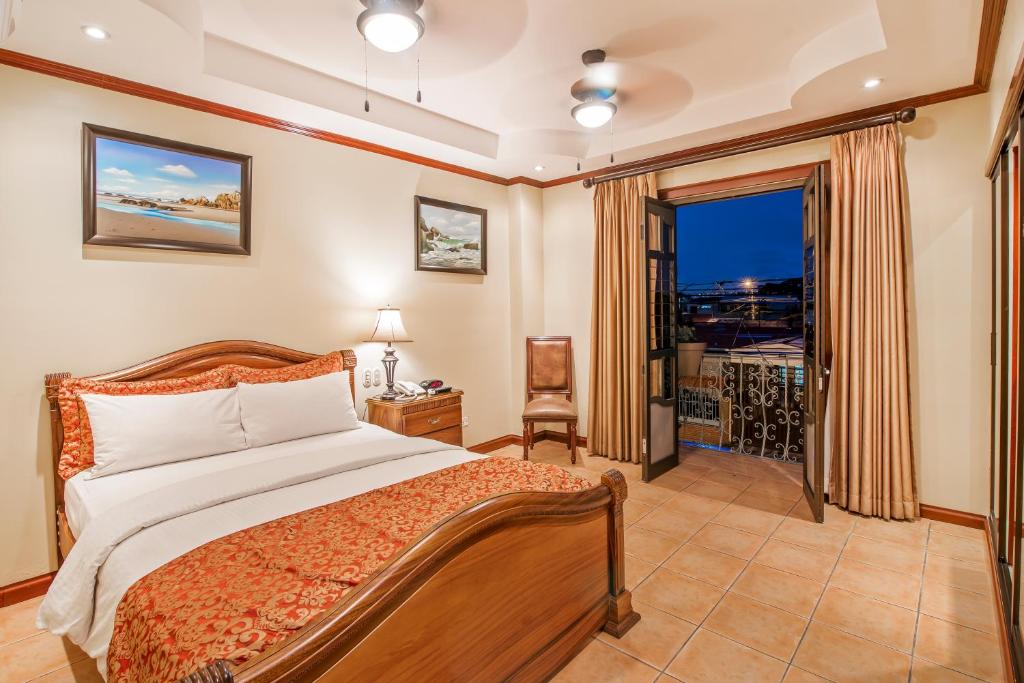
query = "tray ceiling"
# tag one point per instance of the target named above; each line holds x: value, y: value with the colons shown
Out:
x: 496, y: 74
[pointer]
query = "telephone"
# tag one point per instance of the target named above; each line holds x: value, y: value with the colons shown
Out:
x: 408, y: 388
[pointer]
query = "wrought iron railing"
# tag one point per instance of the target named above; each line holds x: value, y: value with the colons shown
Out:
x: 749, y: 402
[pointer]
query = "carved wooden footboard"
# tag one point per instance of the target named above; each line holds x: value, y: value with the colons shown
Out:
x: 509, y: 589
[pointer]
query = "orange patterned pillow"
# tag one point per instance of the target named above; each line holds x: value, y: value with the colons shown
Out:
x: 324, y: 365
x: 77, y: 453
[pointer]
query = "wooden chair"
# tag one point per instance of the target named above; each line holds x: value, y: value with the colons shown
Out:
x: 549, y: 388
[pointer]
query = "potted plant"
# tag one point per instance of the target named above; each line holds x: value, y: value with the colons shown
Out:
x: 689, y: 351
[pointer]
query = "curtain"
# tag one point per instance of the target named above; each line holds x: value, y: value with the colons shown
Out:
x: 617, y: 322
x: 872, y: 455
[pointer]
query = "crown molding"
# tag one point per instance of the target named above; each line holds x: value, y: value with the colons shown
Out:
x: 149, y: 92
x: 993, y: 12
x: 683, y: 155
x: 1007, y: 115
x: 523, y: 180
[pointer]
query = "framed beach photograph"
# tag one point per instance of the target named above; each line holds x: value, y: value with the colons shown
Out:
x: 450, y: 238
x: 143, y: 191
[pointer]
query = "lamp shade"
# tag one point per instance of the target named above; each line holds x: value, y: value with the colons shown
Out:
x: 389, y: 328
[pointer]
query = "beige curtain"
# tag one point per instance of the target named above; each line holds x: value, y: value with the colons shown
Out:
x: 617, y: 322
x: 872, y: 456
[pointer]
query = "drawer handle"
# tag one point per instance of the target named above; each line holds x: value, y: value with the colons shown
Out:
x: 433, y: 420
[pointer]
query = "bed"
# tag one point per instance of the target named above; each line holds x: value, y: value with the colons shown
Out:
x: 509, y: 587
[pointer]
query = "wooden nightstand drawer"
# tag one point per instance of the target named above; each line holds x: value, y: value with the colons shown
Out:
x: 434, y: 417
x: 452, y: 435
x: 435, y: 420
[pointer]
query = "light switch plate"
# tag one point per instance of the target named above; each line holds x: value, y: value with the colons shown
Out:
x: 376, y: 378
x: 366, y: 379
x: 465, y: 420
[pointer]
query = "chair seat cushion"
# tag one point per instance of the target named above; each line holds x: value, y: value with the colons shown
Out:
x: 550, y: 407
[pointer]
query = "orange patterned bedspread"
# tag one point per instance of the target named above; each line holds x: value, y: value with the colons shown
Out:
x: 236, y: 596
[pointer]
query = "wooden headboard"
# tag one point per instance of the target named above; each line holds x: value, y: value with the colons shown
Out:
x: 181, y: 363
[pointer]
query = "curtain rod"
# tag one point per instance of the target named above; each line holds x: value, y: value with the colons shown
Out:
x: 905, y: 115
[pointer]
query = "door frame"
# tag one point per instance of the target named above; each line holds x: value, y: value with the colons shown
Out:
x: 761, y: 182
x: 1007, y: 376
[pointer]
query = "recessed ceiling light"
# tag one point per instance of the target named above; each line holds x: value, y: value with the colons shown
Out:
x: 538, y: 167
x: 872, y: 83
x: 95, y: 32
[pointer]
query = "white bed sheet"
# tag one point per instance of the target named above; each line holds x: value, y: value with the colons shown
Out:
x: 154, y: 546
x: 85, y: 498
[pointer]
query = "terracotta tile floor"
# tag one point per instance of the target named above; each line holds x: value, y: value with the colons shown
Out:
x: 734, y: 584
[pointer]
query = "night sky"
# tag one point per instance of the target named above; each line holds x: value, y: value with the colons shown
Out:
x: 758, y: 236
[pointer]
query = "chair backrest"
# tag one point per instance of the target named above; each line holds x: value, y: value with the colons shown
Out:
x: 548, y: 367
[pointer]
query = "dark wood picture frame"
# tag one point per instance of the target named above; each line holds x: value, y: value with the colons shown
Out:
x: 90, y: 235
x: 420, y: 201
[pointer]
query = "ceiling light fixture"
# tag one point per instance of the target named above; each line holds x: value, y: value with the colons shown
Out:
x: 872, y: 83
x: 95, y: 32
x: 594, y: 109
x: 593, y: 114
x: 538, y: 167
x: 391, y: 25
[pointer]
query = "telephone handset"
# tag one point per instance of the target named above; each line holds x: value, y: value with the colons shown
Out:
x: 409, y: 388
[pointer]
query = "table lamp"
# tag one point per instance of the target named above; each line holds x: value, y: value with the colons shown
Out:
x: 389, y: 329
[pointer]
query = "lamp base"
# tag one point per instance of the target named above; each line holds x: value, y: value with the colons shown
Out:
x: 390, y: 361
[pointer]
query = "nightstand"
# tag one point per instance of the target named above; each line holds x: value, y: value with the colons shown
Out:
x: 433, y: 417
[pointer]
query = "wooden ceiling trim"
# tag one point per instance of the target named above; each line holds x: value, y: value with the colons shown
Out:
x: 1007, y: 113
x: 777, y: 133
x: 993, y: 12
x: 149, y: 92
x: 992, y: 15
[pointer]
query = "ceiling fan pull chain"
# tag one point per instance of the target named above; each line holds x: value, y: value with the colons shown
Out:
x: 366, y: 79
x: 419, y: 93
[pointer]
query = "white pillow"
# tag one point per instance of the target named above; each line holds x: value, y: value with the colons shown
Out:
x: 273, y: 412
x: 132, y: 432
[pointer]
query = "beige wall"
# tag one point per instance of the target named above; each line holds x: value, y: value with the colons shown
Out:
x: 949, y: 271
x: 526, y: 285
x: 332, y: 241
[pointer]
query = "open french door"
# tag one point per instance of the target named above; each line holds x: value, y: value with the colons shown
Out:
x: 660, y: 446
x: 817, y: 334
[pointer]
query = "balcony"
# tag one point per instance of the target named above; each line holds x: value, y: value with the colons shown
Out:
x: 748, y: 401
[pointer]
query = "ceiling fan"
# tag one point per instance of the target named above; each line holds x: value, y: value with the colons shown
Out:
x: 594, y: 91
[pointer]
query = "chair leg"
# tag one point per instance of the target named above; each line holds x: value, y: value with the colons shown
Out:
x: 526, y: 440
x: 572, y: 441
x: 568, y: 436
x: 531, y: 427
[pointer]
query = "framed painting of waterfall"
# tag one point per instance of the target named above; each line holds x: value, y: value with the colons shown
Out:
x: 450, y: 238
x: 143, y: 191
